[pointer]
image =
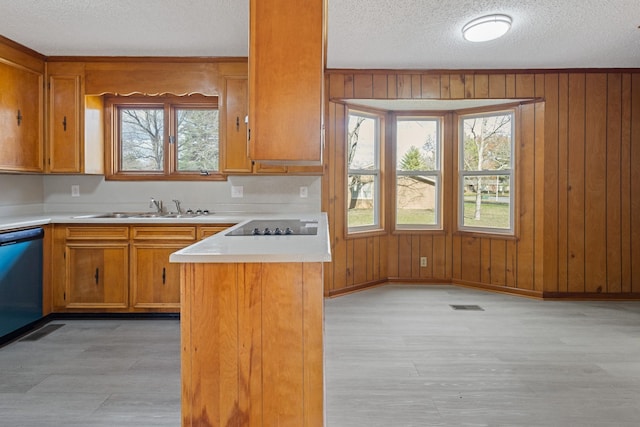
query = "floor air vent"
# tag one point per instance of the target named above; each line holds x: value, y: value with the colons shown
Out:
x: 42, y: 332
x: 466, y: 307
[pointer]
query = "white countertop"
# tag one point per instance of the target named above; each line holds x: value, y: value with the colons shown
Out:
x: 33, y: 220
x: 221, y: 248
x: 218, y: 248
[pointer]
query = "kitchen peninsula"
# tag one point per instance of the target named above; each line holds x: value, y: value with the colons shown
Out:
x: 252, y: 325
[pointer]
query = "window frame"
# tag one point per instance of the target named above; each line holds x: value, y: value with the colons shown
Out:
x: 437, y: 173
x: 380, y: 185
x: 170, y: 104
x: 511, y: 173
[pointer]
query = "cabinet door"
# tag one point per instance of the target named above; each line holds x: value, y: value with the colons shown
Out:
x: 97, y: 275
x: 286, y: 65
x: 155, y: 283
x: 64, y: 144
x: 21, y: 102
x: 236, y: 157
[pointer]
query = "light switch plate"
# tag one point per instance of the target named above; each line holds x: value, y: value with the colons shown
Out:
x: 75, y: 190
x: 304, y: 192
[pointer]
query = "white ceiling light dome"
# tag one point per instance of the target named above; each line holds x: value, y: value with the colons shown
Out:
x: 486, y: 28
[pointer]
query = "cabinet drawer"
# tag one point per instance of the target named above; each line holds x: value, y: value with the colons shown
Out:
x: 97, y: 233
x: 209, y: 230
x: 163, y: 233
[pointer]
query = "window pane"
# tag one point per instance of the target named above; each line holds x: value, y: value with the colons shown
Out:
x: 416, y: 200
x: 417, y: 145
x: 362, y: 143
x: 487, y: 142
x: 487, y: 201
x: 142, y: 136
x: 361, y: 200
x: 197, y: 139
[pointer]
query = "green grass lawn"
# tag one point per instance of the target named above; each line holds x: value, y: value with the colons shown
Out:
x: 359, y: 217
x: 494, y: 215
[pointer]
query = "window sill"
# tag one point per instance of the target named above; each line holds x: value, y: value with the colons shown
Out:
x: 365, y: 233
x: 485, y: 235
x: 427, y: 231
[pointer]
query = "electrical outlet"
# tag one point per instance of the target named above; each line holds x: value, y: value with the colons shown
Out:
x: 75, y: 190
x: 423, y: 261
x: 304, y: 192
x: 237, y: 191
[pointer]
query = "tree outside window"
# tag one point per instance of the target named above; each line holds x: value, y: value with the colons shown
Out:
x: 165, y: 137
x: 363, y: 166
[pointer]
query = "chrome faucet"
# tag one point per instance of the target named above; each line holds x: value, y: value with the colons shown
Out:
x: 178, y: 208
x: 157, y: 204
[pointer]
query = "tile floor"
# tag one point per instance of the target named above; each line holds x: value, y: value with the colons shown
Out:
x: 395, y: 356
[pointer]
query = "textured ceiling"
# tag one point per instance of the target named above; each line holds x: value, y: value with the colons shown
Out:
x: 391, y: 34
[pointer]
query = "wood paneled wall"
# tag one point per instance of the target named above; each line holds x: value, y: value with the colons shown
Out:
x: 578, y: 200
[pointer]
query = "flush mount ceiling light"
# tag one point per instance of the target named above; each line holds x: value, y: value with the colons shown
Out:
x: 487, y: 28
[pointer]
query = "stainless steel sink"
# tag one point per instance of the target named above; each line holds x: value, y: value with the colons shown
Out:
x: 138, y: 215
x: 125, y: 215
x: 180, y: 215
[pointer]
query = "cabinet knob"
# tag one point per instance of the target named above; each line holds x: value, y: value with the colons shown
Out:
x: 97, y: 275
x: 164, y: 275
x: 19, y: 117
x: 64, y: 123
x: 237, y: 123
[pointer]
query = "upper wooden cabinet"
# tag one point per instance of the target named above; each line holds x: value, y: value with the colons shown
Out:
x: 21, y: 111
x: 74, y: 145
x: 65, y: 104
x: 233, y: 131
x: 286, y: 66
x: 234, y: 127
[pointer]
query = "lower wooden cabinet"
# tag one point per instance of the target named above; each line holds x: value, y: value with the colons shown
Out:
x: 96, y: 275
x: 116, y: 268
x: 154, y: 281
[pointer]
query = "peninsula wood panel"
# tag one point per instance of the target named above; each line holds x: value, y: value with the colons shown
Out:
x: 252, y: 344
x: 578, y: 203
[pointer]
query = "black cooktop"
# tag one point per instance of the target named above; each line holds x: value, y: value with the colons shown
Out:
x: 276, y: 227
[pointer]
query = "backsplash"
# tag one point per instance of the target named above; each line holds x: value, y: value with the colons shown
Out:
x: 262, y: 194
x: 21, y: 194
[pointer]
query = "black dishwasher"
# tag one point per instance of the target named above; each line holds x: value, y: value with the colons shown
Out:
x: 20, y: 280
